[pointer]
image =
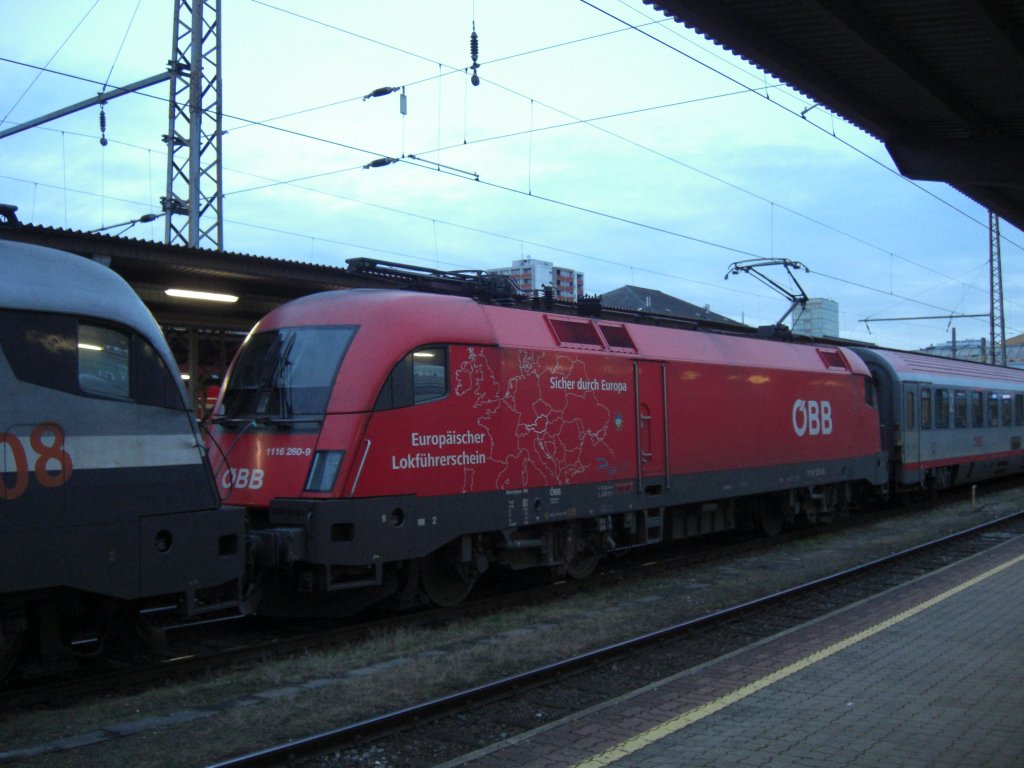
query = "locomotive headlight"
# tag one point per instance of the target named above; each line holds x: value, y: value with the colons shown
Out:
x: 324, y: 471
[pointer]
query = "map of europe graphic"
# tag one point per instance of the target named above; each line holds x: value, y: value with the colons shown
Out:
x: 539, y: 433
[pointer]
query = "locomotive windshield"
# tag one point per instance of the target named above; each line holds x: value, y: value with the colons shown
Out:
x: 285, y: 374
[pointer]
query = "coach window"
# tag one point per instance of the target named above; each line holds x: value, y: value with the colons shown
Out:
x: 1007, y: 409
x: 942, y: 409
x: 960, y: 409
x: 908, y: 416
x: 419, y: 377
x: 993, y: 409
x: 1018, y: 410
x: 977, y: 409
x: 104, y: 361
x: 926, y: 408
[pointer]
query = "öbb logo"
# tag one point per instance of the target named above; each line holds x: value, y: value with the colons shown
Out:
x: 812, y: 417
x: 242, y: 478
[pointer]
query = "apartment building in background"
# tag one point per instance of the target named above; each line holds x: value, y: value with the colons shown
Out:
x: 531, y: 275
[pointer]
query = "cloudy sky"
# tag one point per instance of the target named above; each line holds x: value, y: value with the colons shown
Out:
x: 602, y: 137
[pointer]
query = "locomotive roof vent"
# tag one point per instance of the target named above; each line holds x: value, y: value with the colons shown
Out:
x: 575, y: 333
x: 833, y: 358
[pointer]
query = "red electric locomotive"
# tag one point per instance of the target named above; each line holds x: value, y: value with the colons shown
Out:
x: 389, y: 442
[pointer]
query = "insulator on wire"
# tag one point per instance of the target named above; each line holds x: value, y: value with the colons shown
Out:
x: 103, y: 128
x: 380, y: 162
x: 384, y: 91
x: 474, y: 52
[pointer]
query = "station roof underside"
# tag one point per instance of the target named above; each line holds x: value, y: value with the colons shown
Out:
x: 939, y: 82
x: 261, y: 283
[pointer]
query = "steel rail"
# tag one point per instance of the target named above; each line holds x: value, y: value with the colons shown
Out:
x: 435, y: 708
x: 182, y: 665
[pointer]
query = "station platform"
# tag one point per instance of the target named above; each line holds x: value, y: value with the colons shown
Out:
x: 928, y: 674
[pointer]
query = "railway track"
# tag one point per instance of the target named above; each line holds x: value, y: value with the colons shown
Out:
x: 447, y: 727
x: 243, y: 643
x: 213, y: 715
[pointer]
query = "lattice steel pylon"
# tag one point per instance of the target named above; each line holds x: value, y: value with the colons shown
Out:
x: 997, y: 324
x: 194, y: 130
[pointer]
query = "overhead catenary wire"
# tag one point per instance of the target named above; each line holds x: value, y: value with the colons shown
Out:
x: 49, y: 61
x: 533, y: 243
x: 888, y: 168
x: 265, y: 123
x: 611, y: 262
x: 641, y: 28
x: 120, y: 47
x: 368, y: 151
x: 432, y: 167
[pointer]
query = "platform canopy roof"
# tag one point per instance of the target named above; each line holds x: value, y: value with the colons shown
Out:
x: 260, y: 283
x: 939, y: 82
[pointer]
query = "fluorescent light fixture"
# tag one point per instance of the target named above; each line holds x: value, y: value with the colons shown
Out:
x: 186, y: 376
x: 180, y: 293
x: 91, y: 347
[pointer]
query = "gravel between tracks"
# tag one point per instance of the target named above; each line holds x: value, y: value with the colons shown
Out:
x: 237, y: 712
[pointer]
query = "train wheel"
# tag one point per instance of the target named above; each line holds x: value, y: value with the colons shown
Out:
x: 942, y: 478
x: 582, y: 564
x: 581, y: 557
x: 445, y: 582
x: 769, y: 519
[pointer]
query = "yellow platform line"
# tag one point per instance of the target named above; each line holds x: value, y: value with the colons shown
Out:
x: 688, y: 718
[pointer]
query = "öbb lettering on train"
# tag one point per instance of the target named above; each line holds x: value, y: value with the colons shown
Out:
x: 242, y: 477
x: 812, y: 417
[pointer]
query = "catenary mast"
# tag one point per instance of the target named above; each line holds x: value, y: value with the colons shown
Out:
x: 997, y: 323
x: 194, y: 130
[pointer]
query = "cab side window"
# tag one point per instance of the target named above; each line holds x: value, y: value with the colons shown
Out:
x: 419, y: 377
x: 85, y: 357
x: 41, y: 348
x: 113, y: 363
x: 429, y: 375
